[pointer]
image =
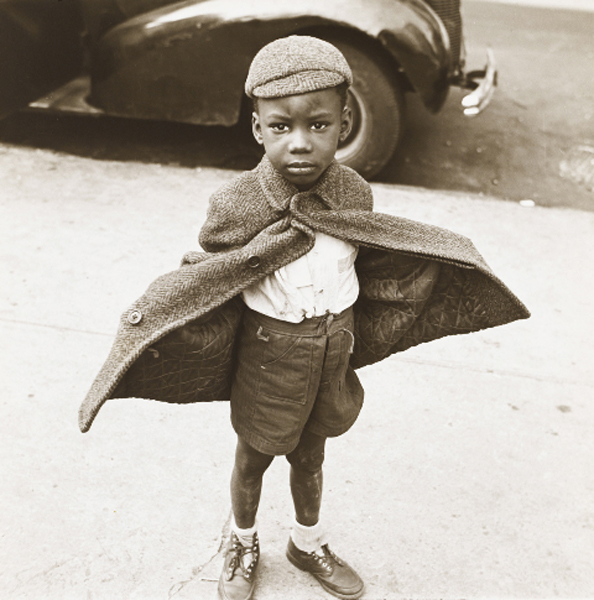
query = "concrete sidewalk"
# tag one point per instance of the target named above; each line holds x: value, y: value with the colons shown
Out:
x: 468, y: 475
x: 583, y: 5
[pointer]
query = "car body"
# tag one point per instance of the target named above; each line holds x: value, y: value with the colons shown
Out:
x: 186, y: 61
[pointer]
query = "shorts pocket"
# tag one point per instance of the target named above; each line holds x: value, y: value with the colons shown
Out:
x: 277, y: 348
x: 285, y: 366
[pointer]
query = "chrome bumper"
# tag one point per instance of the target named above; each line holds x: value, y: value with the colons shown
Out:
x: 482, y: 83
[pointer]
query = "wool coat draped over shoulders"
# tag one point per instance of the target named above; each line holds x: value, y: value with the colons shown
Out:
x: 418, y: 283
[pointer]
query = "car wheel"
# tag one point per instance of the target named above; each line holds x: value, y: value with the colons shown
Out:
x: 377, y: 102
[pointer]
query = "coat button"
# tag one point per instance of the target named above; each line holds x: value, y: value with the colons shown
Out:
x: 253, y: 261
x: 134, y: 317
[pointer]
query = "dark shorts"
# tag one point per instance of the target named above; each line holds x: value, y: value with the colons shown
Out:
x: 292, y: 377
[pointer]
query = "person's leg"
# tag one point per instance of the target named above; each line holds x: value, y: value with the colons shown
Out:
x: 307, y: 478
x: 243, y: 552
x: 246, y: 483
x: 307, y: 548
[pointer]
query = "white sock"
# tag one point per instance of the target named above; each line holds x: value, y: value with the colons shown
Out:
x: 246, y: 536
x: 246, y: 539
x: 308, y: 539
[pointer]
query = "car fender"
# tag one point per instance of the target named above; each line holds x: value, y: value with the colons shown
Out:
x: 40, y: 49
x: 188, y: 61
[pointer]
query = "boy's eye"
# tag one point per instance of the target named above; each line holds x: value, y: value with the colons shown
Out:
x: 319, y: 126
x: 279, y: 127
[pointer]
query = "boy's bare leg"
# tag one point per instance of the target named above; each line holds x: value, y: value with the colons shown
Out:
x: 246, y: 483
x: 306, y: 489
x: 307, y: 478
x: 240, y: 566
x: 307, y: 548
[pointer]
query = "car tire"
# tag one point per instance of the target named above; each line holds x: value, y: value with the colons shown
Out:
x: 377, y: 101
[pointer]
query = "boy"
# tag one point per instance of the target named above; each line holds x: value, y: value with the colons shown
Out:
x: 269, y: 315
x: 289, y: 393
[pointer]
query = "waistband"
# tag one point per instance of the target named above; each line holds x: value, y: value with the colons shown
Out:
x: 326, y: 324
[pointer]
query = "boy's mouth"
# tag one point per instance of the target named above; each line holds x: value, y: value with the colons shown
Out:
x: 301, y: 168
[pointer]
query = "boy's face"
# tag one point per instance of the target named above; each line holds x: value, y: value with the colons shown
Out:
x: 300, y: 133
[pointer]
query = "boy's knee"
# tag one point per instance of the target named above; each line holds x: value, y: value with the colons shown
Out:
x: 250, y: 462
x: 308, y: 457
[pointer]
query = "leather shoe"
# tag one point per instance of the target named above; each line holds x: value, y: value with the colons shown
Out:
x: 238, y: 579
x: 335, y: 576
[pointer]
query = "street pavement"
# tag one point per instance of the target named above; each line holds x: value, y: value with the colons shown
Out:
x: 583, y: 5
x: 468, y: 475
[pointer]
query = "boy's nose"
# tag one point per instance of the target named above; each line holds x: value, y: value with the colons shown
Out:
x: 300, y: 143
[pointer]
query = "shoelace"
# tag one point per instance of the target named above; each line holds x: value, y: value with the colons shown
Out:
x: 327, y: 559
x: 239, y: 551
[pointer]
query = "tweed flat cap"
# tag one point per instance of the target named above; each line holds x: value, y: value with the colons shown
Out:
x: 295, y: 65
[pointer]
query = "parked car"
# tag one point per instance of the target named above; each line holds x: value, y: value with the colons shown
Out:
x: 187, y: 61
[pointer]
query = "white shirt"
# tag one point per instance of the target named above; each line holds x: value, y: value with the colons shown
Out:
x: 323, y: 280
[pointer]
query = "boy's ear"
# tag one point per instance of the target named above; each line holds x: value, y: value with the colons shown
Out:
x: 257, y: 128
x: 346, y: 123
